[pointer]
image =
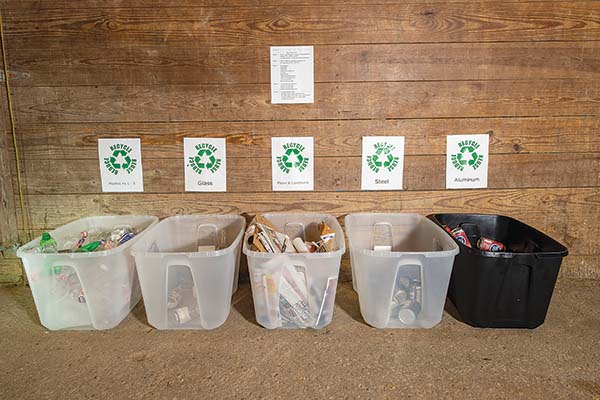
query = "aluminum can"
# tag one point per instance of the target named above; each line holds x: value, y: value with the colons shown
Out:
x: 461, y: 236
x: 487, y: 244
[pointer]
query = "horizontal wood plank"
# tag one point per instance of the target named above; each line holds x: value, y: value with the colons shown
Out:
x: 333, y: 138
x: 564, y: 214
x: 273, y: 25
x: 332, y: 173
x: 357, y: 100
x: 167, y: 65
x: 69, y: 4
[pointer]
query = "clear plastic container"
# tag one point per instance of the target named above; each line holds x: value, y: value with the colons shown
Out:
x: 401, y: 264
x: 85, y: 290
x: 188, y: 267
x: 277, y: 278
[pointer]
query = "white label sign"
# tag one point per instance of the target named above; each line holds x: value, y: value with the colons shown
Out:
x: 121, y: 165
x: 467, y: 161
x: 292, y: 163
x: 382, y: 162
x: 205, y: 165
x: 292, y: 75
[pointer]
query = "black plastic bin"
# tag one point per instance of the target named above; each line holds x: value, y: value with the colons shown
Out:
x: 510, y: 289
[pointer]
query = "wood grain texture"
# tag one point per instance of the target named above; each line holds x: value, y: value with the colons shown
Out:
x: 8, y: 224
x: 563, y: 213
x: 525, y: 72
x: 331, y: 173
x: 333, y: 138
x: 167, y: 65
x: 357, y: 100
x: 272, y: 25
x: 103, y: 4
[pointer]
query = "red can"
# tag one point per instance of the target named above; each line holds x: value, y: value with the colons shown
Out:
x: 461, y: 236
x: 487, y: 244
x: 447, y: 229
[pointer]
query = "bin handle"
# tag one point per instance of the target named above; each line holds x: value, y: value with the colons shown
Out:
x: 402, y: 263
x: 331, y: 285
x: 74, y: 268
x: 184, y: 262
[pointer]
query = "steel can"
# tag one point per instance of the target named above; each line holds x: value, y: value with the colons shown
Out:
x: 487, y: 244
x: 461, y: 236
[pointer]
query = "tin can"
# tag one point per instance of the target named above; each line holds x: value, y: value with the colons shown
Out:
x: 461, y: 236
x: 487, y: 244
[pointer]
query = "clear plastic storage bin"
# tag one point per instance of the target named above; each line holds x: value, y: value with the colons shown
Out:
x: 188, y: 267
x: 315, y: 273
x: 401, y: 264
x: 84, y: 290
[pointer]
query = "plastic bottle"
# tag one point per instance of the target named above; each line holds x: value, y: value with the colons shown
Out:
x: 48, y: 244
x: 89, y: 247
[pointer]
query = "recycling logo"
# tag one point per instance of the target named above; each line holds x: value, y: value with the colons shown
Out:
x: 120, y: 159
x: 383, y: 158
x: 292, y: 158
x: 205, y: 159
x: 467, y: 156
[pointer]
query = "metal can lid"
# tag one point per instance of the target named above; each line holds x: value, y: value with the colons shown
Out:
x: 407, y: 316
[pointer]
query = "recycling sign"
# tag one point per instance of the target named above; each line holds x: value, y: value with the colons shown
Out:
x: 382, y: 162
x: 383, y: 158
x: 120, y: 159
x: 467, y: 155
x: 205, y: 158
x: 467, y: 161
x: 292, y: 163
x: 292, y: 158
x: 120, y: 165
x: 205, y: 164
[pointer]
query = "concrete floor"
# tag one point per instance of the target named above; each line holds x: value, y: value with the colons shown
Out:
x: 348, y: 359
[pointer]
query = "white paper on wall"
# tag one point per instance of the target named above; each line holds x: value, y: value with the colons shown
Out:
x: 121, y: 165
x: 467, y: 158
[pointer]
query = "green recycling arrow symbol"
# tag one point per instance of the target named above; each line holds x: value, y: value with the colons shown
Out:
x: 115, y: 155
x: 467, y: 155
x: 290, y: 153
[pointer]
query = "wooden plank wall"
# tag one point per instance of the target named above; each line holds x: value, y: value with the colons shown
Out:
x: 526, y: 72
x: 10, y: 268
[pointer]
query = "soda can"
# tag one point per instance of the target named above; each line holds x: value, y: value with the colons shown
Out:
x: 487, y: 244
x: 461, y: 236
x: 82, y: 239
x: 447, y: 229
x: 127, y: 236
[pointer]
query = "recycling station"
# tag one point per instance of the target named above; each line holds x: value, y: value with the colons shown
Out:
x: 289, y: 200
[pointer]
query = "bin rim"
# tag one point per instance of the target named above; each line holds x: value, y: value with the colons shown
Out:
x: 394, y: 254
x: 562, y: 252
x: 22, y: 253
x: 137, y: 252
x: 318, y: 217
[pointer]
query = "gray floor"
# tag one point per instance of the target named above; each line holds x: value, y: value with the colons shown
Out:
x: 348, y: 359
